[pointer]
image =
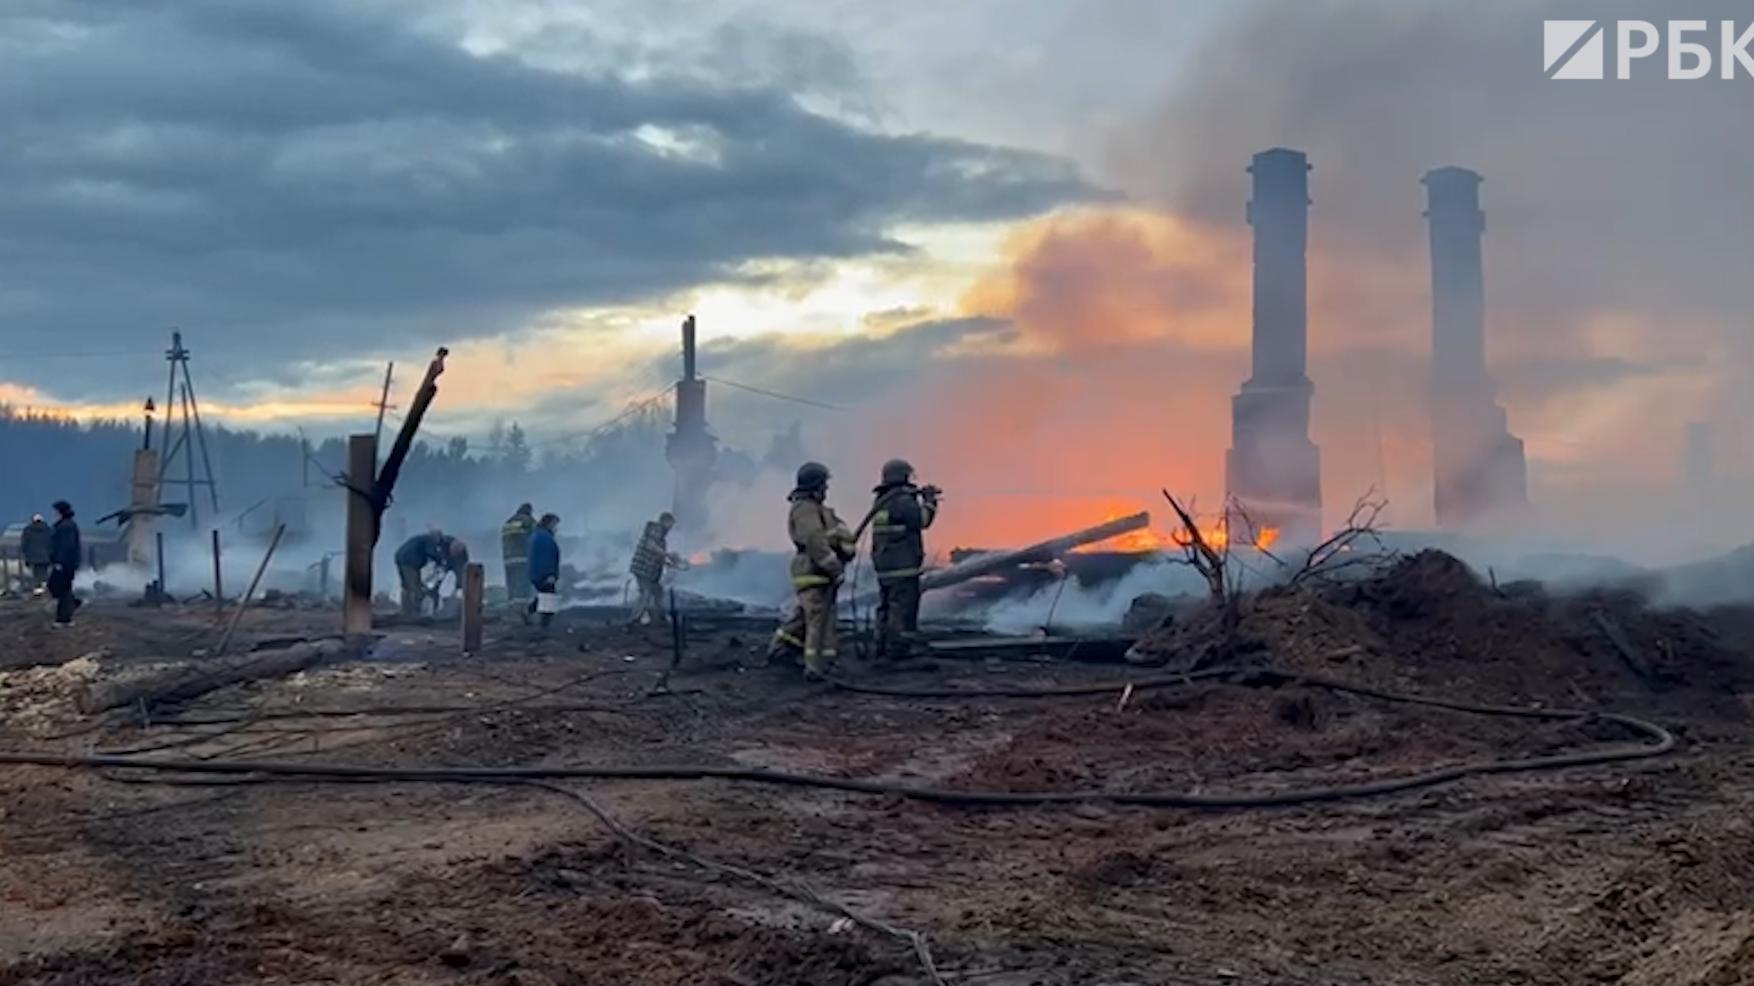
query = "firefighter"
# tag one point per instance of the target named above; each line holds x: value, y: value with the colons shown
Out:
x: 514, y: 539
x: 824, y: 546
x: 899, y: 513
x: 650, y: 557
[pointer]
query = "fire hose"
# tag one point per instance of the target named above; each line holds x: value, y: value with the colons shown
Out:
x: 1660, y: 742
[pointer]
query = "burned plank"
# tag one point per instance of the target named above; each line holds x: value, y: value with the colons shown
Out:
x: 193, y: 680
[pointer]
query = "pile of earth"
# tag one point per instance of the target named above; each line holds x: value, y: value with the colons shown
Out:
x: 1427, y: 622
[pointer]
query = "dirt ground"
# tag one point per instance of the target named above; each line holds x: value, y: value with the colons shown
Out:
x: 1638, y: 874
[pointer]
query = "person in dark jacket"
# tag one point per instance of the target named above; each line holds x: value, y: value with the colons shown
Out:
x: 435, y: 547
x: 545, y: 569
x: 64, y: 555
x: 36, y: 548
x: 514, y: 540
x: 900, y: 512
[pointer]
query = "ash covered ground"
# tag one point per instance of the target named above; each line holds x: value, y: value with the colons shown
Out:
x: 1633, y: 873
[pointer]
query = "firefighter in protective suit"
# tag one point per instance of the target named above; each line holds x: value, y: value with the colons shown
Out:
x: 824, y: 546
x: 514, y: 538
x: 900, y: 512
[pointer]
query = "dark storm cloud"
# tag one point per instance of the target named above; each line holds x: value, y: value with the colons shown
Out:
x: 302, y: 178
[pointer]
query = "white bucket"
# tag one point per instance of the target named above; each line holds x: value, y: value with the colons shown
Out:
x: 547, y: 602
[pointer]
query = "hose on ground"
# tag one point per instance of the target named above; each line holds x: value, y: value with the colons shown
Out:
x: 1660, y: 742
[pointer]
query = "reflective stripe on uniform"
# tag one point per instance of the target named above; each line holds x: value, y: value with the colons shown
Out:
x: 782, y: 637
x: 888, y: 528
x: 898, y: 573
x: 810, y: 581
x: 517, y: 560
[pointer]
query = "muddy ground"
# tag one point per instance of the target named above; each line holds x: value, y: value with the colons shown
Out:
x: 1639, y: 874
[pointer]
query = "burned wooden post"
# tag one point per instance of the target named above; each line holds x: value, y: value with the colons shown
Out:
x: 356, y: 602
x: 218, y: 583
x: 158, y: 592
x: 474, y: 590
x: 237, y: 615
x: 370, y: 490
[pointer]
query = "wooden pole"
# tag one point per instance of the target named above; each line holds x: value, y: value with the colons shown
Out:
x: 159, y: 595
x: 384, y: 400
x: 244, y: 600
x: 474, y: 590
x: 218, y: 583
x: 362, y: 467
x: 385, y: 481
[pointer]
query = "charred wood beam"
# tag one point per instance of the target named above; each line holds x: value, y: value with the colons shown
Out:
x: 384, y: 486
x: 1041, y: 551
x: 191, y: 681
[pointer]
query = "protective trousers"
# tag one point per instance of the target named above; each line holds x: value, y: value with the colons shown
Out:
x: 898, y: 616
x: 517, y: 579
x: 413, y: 589
x: 811, y: 626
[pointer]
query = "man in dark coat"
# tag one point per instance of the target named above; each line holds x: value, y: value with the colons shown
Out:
x: 36, y: 547
x: 432, y: 548
x: 64, y: 555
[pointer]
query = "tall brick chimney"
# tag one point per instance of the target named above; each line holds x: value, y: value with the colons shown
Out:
x: 1272, y: 467
x: 1479, y: 465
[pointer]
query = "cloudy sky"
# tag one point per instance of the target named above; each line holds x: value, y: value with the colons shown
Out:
x: 1006, y: 233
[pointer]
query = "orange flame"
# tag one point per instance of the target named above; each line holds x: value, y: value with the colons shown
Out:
x: 1146, y: 540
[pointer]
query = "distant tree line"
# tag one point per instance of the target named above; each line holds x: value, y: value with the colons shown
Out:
x: 445, y: 482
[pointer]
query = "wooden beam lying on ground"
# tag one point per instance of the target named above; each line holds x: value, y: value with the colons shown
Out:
x: 1041, y: 551
x: 193, y: 680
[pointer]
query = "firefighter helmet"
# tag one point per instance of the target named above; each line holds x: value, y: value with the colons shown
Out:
x: 812, y: 476
x: 897, y: 471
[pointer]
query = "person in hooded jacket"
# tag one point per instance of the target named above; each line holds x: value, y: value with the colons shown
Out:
x: 36, y: 548
x: 64, y: 556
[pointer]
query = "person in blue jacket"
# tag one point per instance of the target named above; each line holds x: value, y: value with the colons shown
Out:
x: 544, y: 567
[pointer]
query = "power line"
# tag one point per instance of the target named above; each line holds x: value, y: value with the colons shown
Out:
x: 634, y: 408
x: 627, y: 412
x: 773, y: 393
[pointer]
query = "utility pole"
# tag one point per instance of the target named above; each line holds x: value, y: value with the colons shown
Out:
x: 384, y: 399
x: 190, y: 435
